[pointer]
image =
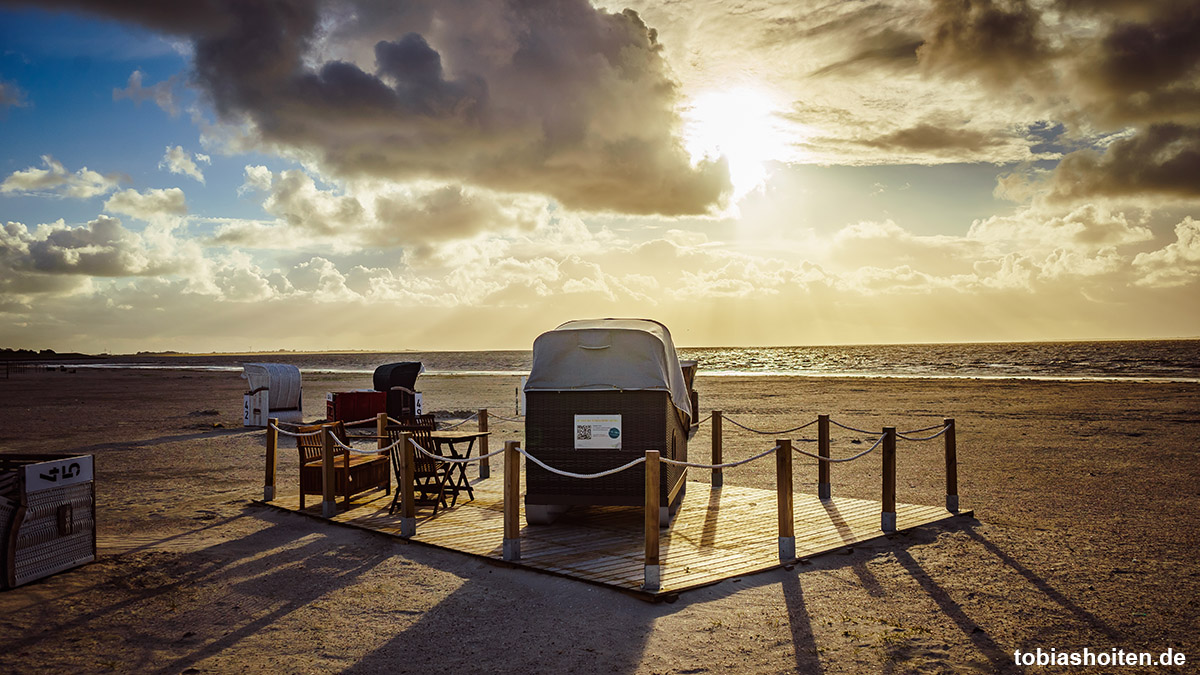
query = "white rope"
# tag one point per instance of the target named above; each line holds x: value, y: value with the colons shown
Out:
x: 861, y: 431
x: 844, y: 459
x: 569, y: 474
x: 718, y: 466
x: 359, y: 422
x: 454, y: 460
x: 460, y: 422
x: 770, y: 433
x: 924, y: 438
x: 704, y: 420
x: 506, y: 419
x: 376, y: 451
x: 296, y: 435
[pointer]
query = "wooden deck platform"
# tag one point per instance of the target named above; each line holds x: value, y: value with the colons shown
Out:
x: 717, y: 534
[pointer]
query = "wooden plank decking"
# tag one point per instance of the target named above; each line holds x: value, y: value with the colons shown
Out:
x: 718, y: 533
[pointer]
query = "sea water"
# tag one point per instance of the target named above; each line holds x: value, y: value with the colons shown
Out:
x: 1161, y: 360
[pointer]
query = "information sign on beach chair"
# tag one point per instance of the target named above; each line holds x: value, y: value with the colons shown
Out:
x: 600, y: 394
x: 353, y: 473
x: 273, y: 390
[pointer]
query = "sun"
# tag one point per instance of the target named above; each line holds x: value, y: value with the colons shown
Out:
x: 738, y: 124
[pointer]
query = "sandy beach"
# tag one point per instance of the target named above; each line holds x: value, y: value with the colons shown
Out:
x: 1085, y: 495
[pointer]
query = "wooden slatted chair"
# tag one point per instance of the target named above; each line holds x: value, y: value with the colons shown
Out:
x: 352, y: 473
x: 431, y: 478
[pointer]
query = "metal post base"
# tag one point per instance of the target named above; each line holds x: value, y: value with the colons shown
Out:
x: 824, y: 491
x: 408, y: 527
x: 328, y: 509
x: 787, y: 549
x: 888, y: 521
x: 652, y: 582
x: 952, y: 503
x: 512, y: 549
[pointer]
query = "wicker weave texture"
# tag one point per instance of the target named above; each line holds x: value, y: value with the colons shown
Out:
x: 648, y: 422
x: 57, y: 533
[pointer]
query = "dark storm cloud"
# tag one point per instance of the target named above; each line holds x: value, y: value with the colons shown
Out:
x: 1146, y: 71
x: 1160, y: 160
x: 935, y: 138
x: 998, y: 41
x: 558, y: 98
x: 887, y: 48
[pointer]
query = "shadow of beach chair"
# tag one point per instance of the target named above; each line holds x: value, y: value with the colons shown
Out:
x: 352, y: 473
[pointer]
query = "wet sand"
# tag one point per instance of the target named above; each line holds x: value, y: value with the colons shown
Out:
x: 1086, y: 499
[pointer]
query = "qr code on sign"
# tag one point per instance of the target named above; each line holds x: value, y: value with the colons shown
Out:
x: 583, y: 433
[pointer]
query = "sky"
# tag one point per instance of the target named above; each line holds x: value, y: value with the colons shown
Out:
x: 224, y: 175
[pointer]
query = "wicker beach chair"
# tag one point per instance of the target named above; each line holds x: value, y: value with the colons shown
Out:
x: 431, y: 478
x: 352, y: 473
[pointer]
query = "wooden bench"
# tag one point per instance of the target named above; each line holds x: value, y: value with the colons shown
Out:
x: 352, y: 473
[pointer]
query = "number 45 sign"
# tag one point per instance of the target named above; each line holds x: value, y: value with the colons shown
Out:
x: 598, y: 432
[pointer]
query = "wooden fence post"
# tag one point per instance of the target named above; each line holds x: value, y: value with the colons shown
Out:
x: 408, y: 508
x: 718, y: 475
x: 328, y: 503
x: 512, y: 501
x: 485, y: 466
x: 888, y: 519
x: 951, y: 466
x: 783, y: 500
x: 272, y: 459
x: 823, y: 488
x: 381, y: 421
x: 652, y: 574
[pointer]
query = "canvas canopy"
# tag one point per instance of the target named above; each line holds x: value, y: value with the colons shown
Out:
x: 280, y: 379
x: 403, y: 374
x: 607, y: 355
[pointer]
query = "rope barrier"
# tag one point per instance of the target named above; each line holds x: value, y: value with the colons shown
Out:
x: 770, y: 433
x: 370, y: 420
x: 917, y: 431
x: 454, y: 460
x: 861, y: 431
x: 924, y: 438
x: 844, y: 459
x: 704, y: 420
x: 294, y: 434
x: 460, y: 422
x: 718, y: 466
x: 375, y: 451
x: 569, y: 474
x: 506, y: 419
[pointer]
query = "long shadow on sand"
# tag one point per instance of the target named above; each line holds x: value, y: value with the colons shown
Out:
x: 1042, y: 585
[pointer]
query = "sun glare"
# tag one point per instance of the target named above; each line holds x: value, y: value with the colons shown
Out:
x: 736, y: 124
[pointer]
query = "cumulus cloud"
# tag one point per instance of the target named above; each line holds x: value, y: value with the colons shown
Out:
x: 55, y: 181
x: 178, y: 160
x: 149, y: 205
x: 576, y: 103
x: 1089, y: 227
x: 373, y: 214
x: 101, y: 248
x: 1176, y: 264
x: 162, y: 93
